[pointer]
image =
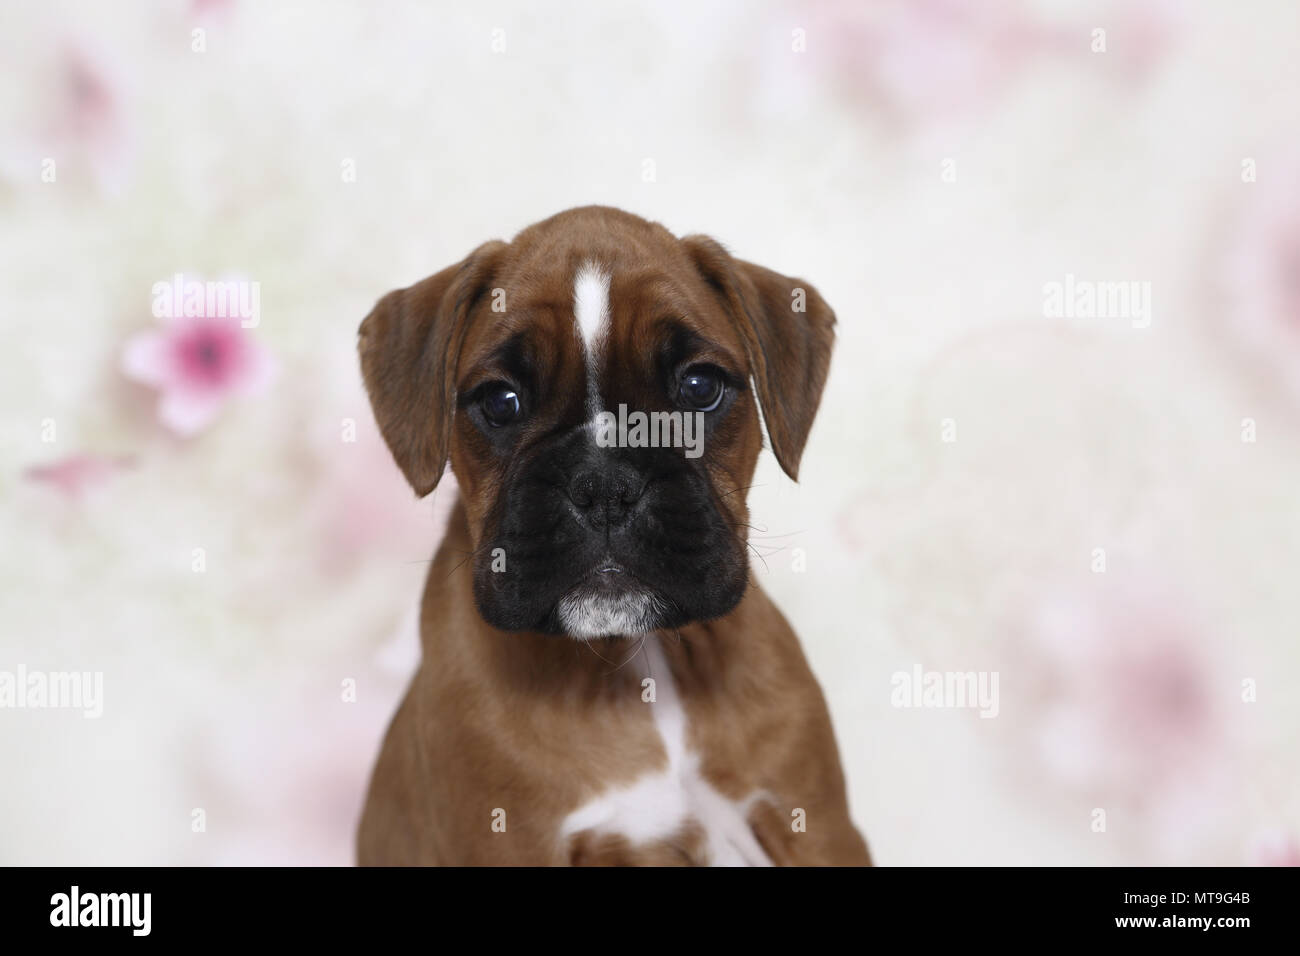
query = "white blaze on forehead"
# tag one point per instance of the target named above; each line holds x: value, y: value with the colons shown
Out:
x: 591, y: 304
x: 591, y: 316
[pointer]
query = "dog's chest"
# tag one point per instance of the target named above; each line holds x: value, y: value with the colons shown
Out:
x: 664, y: 803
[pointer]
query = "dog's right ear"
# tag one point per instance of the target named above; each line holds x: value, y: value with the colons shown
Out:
x: 409, y: 346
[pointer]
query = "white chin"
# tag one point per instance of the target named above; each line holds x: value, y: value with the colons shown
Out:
x: 586, y: 615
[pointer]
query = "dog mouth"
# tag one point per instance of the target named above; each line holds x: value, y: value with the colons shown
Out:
x: 610, y: 574
x: 609, y: 580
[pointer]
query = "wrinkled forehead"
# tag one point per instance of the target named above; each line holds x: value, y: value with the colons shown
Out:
x: 591, y: 310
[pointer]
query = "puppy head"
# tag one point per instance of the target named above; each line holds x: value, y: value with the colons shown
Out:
x: 527, y: 365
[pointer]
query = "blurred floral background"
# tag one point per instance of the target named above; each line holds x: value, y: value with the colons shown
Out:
x: 205, y: 513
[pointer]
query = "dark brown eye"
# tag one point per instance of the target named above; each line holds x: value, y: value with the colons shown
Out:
x: 701, y: 388
x: 500, y: 404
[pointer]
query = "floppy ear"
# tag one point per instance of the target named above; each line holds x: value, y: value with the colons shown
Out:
x: 409, y: 345
x: 788, y: 330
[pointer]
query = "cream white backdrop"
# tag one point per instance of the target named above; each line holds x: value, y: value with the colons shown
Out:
x: 928, y: 166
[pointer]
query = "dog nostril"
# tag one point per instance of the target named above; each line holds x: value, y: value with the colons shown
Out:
x: 582, y: 490
x: 628, y: 492
x: 615, y: 492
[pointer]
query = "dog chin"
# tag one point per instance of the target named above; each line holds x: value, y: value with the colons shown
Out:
x: 586, y: 613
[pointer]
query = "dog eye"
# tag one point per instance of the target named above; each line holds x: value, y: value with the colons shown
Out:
x: 701, y: 388
x: 500, y: 404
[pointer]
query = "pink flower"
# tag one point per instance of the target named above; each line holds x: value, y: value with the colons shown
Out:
x: 1133, y: 698
x: 926, y: 60
x: 75, y: 475
x: 204, y: 9
x: 197, y: 363
x: 85, y: 118
x: 931, y: 57
x: 1131, y: 708
x: 1261, y: 273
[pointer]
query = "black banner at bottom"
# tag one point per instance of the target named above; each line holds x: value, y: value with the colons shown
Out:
x: 337, y: 906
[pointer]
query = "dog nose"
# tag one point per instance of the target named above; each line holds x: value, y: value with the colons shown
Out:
x: 606, y: 494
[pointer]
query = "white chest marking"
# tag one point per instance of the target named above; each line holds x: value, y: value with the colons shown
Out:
x: 655, y: 806
x: 591, y: 316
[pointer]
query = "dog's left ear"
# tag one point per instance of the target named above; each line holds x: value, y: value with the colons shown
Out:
x: 409, y: 345
x: 788, y: 330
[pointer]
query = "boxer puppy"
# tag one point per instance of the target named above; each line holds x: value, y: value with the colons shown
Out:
x: 602, y: 681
